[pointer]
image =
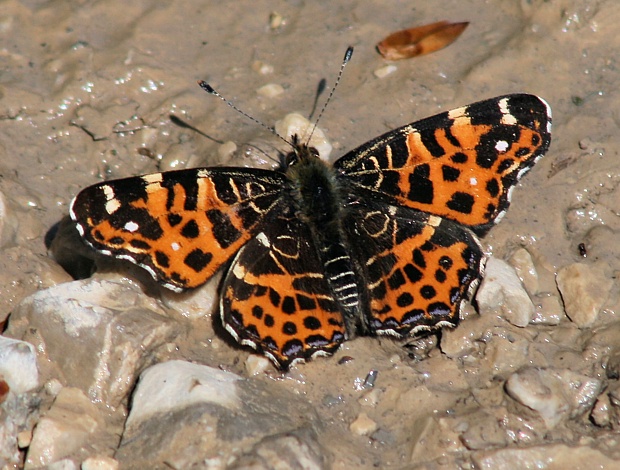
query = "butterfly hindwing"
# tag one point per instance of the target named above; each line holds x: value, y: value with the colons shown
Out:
x: 418, y: 267
x: 275, y: 296
x: 181, y: 225
x: 461, y: 164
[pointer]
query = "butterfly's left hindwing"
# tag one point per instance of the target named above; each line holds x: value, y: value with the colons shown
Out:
x: 181, y: 225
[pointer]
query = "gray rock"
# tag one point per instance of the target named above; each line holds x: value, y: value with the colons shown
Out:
x: 94, y: 334
x: 550, y: 457
x: 555, y: 394
x: 70, y: 426
x: 18, y: 415
x: 186, y: 414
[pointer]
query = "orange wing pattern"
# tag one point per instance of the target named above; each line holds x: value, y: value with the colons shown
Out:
x: 461, y: 165
x: 181, y: 226
x: 276, y: 297
x: 418, y: 267
x: 382, y: 243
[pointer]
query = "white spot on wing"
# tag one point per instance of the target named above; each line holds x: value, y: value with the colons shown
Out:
x: 153, y: 178
x: 458, y: 112
x: 131, y: 226
x: 434, y: 221
x: 239, y: 271
x: 175, y: 246
x: 473, y: 181
x: 507, y: 118
x: 501, y: 146
x: 263, y: 240
x: 108, y: 191
x: 112, y: 206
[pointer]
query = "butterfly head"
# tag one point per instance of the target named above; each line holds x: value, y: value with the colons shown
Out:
x: 301, y: 152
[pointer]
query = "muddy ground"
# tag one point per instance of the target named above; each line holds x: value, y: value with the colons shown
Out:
x: 89, y: 91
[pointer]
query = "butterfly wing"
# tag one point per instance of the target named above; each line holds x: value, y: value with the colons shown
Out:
x: 461, y: 164
x: 418, y: 267
x: 275, y: 296
x: 181, y: 226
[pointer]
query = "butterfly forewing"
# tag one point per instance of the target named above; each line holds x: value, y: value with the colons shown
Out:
x: 180, y: 225
x: 460, y: 164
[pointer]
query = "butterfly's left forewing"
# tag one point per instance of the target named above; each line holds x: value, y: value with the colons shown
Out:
x: 460, y: 165
x: 180, y: 225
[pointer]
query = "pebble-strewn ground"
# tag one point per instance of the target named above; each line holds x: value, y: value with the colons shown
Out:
x: 111, y: 372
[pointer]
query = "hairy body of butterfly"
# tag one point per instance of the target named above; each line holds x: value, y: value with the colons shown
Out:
x: 382, y: 242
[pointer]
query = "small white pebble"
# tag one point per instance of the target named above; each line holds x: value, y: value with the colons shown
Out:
x: 24, y: 438
x: 262, y: 68
x: 276, y: 20
x: 370, y: 398
x: 384, y: 71
x: 363, y: 425
x: 53, y: 387
x: 295, y: 123
x: 521, y: 260
x: 100, y: 463
x: 270, y: 90
x: 395, y: 359
x: 256, y: 364
x: 601, y: 413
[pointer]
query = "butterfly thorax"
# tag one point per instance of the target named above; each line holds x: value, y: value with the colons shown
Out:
x: 315, y: 191
x: 318, y: 200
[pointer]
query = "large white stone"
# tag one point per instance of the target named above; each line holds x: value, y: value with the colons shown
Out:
x: 18, y: 365
x: 502, y: 290
x: 177, y: 384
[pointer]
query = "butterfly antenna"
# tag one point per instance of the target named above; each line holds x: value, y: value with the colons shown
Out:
x: 209, y: 89
x: 345, y: 61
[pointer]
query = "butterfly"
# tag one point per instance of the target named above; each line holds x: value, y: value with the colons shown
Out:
x: 382, y: 242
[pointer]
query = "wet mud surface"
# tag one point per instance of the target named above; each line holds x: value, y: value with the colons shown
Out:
x: 96, y: 91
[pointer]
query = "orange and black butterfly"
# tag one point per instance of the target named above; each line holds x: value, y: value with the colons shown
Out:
x: 382, y: 242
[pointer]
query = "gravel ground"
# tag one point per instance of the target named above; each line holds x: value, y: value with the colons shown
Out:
x: 111, y: 371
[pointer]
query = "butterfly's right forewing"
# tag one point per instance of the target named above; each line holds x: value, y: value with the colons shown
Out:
x: 180, y: 225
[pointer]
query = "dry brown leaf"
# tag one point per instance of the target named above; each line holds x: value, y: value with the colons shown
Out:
x: 420, y: 40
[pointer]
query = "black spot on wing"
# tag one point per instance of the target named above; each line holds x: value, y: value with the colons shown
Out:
x: 223, y: 230
x: 420, y: 185
x: 198, y: 260
x: 461, y: 202
x: 190, y: 229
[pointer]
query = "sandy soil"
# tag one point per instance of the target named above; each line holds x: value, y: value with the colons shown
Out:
x: 88, y: 90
